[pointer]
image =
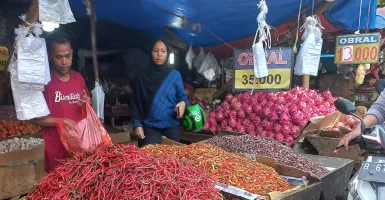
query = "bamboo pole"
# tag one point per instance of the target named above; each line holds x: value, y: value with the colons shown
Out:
x: 91, y: 12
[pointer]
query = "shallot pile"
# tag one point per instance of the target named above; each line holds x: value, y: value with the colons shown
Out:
x: 279, y: 115
x: 125, y: 172
x: 16, y: 144
x: 227, y: 168
x: 263, y: 146
x: 348, y: 122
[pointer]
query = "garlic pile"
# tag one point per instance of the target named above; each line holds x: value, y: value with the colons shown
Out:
x: 16, y: 144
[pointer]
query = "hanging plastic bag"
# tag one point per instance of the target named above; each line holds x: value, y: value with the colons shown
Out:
x: 190, y: 56
x: 208, y: 68
x: 260, y: 63
x: 309, y: 55
x: 199, y: 59
x: 98, y: 100
x: 89, y: 133
x: 56, y: 11
x: 308, y: 58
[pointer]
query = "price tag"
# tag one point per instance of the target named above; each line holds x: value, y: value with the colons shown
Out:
x: 357, y: 49
x: 279, y: 64
x: 3, y: 57
x: 347, y: 54
x: 277, y: 79
x: 238, y: 192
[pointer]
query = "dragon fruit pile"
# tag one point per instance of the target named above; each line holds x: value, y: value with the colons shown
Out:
x: 279, y: 115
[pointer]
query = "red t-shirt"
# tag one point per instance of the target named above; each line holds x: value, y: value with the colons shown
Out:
x: 62, y: 100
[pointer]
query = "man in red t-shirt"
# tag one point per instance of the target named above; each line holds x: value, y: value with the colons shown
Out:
x: 62, y: 95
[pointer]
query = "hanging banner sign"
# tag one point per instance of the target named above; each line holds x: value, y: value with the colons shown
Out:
x: 279, y: 64
x: 3, y: 57
x: 357, y: 49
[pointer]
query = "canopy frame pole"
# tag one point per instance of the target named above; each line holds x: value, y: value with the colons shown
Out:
x: 91, y: 12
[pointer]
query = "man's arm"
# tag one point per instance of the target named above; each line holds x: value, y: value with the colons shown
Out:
x: 44, y: 121
x: 378, y: 109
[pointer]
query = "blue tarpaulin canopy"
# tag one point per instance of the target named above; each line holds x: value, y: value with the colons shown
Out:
x: 230, y: 20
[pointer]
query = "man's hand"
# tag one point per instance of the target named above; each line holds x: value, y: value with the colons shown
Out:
x: 69, y: 123
x: 85, y: 99
x: 139, y: 132
x: 180, y: 108
x: 347, y: 138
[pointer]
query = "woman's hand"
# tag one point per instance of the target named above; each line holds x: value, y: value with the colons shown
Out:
x: 139, y: 132
x: 347, y: 138
x: 180, y: 108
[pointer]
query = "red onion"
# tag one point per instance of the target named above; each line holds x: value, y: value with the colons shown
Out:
x: 229, y: 97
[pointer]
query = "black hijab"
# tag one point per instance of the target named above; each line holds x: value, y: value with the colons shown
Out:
x: 146, y: 86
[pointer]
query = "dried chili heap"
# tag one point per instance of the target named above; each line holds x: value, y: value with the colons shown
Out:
x: 227, y: 168
x: 125, y: 172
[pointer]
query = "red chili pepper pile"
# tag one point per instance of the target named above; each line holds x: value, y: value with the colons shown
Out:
x: 125, y: 172
x: 227, y: 168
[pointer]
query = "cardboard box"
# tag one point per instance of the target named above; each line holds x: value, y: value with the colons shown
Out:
x: 205, y: 93
x: 323, y: 125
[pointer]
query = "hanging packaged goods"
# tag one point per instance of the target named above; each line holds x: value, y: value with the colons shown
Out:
x: 357, y: 49
x: 279, y: 64
x: 3, y: 57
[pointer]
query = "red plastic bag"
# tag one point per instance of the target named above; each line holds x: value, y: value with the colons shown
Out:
x: 87, y: 134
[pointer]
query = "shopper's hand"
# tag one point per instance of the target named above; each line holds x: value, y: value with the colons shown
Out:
x: 85, y: 99
x: 139, y: 132
x: 347, y: 138
x: 69, y: 123
x: 180, y: 108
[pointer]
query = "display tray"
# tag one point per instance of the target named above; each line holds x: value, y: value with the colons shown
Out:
x: 312, y: 191
x: 336, y: 181
x: 36, y: 135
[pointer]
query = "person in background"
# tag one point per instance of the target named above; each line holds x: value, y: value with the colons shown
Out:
x: 158, y: 99
x: 372, y: 81
x: 374, y: 116
x: 62, y: 95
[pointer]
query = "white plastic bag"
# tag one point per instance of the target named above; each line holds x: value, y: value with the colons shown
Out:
x: 32, y: 61
x: 263, y: 31
x: 199, y: 59
x: 98, y: 101
x: 190, y: 56
x: 56, y: 11
x: 260, y: 63
x: 209, y: 67
x: 29, y: 104
x: 309, y: 55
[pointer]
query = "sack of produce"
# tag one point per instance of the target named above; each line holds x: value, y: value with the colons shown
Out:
x: 87, y: 134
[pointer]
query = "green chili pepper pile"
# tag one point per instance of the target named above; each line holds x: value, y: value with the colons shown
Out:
x: 227, y: 168
x: 125, y: 172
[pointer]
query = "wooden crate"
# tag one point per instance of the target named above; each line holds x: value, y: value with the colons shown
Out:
x: 20, y: 171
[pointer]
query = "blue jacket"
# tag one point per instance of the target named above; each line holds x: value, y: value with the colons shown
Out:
x: 170, y: 93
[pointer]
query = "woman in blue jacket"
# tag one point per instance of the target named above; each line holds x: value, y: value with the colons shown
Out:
x: 158, y: 99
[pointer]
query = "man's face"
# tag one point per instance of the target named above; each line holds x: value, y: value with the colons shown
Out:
x: 372, y: 82
x: 61, y: 57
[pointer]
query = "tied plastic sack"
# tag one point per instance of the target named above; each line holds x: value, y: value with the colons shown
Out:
x: 57, y: 11
x: 209, y: 68
x: 89, y: 133
x: 98, y: 100
x: 309, y: 55
x: 263, y: 31
x: 190, y: 56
